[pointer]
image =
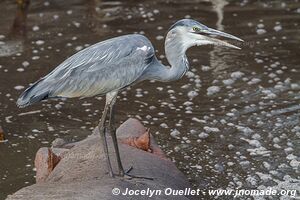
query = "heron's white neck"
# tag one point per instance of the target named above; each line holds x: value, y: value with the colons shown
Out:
x: 175, y: 52
x: 175, y: 48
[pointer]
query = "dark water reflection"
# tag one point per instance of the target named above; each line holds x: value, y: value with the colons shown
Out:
x: 235, y: 114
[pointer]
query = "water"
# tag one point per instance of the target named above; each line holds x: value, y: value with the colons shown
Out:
x: 231, y: 122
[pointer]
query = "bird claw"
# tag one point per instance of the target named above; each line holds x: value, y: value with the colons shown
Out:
x: 128, y: 176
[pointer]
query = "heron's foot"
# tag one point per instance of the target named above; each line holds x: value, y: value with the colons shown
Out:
x: 128, y: 176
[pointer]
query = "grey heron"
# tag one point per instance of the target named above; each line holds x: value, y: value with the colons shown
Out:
x: 107, y: 67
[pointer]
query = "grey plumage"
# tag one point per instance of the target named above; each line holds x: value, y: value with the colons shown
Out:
x: 96, y: 70
x: 108, y: 66
x: 116, y: 63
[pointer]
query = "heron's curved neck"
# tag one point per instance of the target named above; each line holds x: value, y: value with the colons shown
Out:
x: 175, y: 49
x: 175, y: 53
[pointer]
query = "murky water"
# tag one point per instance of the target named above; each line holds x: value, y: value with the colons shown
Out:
x: 231, y: 122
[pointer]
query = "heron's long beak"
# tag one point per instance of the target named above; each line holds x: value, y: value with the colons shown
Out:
x: 219, y: 42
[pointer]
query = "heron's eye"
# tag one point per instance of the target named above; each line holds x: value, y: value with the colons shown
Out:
x: 196, y: 29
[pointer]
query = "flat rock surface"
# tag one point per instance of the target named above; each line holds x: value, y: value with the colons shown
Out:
x: 82, y: 173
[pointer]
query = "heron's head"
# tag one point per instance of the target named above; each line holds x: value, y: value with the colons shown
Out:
x: 192, y: 33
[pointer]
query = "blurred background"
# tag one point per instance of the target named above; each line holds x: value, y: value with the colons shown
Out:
x: 231, y: 122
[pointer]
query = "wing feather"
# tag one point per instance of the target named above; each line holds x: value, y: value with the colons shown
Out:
x: 101, y: 68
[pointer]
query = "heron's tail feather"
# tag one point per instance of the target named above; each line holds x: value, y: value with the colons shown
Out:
x: 35, y: 93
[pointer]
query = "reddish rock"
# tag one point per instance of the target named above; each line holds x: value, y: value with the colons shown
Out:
x: 142, y: 142
x: 134, y: 128
x: 2, y: 138
x: 46, y: 160
x: 41, y: 164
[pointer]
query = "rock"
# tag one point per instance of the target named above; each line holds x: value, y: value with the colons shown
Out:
x: 133, y: 128
x: 45, y: 161
x: 142, y: 142
x: 82, y: 173
x: 41, y: 164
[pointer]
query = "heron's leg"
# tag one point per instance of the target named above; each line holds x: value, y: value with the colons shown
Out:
x: 110, y: 100
x: 101, y: 127
x: 112, y: 131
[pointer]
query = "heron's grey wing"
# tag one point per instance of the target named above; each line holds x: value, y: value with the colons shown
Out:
x: 101, y: 68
